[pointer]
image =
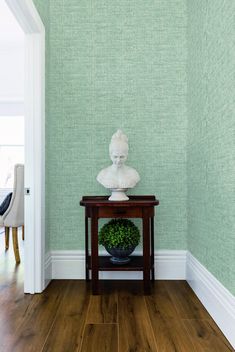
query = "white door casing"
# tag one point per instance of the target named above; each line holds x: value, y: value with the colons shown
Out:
x: 34, y: 247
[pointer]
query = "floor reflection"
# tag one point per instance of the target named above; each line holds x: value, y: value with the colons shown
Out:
x: 10, y: 273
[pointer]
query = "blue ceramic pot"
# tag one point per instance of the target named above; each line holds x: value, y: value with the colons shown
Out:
x: 119, y: 255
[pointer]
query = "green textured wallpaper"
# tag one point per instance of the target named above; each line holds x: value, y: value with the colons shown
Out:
x: 115, y: 64
x: 211, y: 136
x: 164, y: 73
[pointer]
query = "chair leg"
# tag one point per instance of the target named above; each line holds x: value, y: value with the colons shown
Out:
x: 6, y: 238
x: 15, y: 244
x: 23, y: 232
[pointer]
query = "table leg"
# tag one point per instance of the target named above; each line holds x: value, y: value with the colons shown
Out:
x: 94, y: 252
x: 146, y: 251
x: 86, y: 248
x: 152, y: 249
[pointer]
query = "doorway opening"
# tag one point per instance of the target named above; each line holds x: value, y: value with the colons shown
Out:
x: 11, y: 145
x: 28, y: 19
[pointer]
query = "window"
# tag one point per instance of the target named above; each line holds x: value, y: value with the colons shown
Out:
x: 11, y: 149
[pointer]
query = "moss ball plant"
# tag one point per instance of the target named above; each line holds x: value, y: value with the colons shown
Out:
x: 119, y: 233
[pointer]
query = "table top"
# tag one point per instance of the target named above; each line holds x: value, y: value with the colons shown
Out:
x: 100, y: 201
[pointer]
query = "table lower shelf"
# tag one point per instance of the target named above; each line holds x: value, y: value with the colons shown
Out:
x: 136, y: 264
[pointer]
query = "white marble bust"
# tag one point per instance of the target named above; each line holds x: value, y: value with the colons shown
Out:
x: 118, y: 177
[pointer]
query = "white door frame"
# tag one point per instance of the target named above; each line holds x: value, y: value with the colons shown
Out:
x: 34, y: 247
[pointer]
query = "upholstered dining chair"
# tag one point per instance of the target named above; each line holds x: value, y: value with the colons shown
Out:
x: 14, y: 215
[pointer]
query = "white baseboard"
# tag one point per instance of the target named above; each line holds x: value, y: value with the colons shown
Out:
x: 218, y: 301
x: 169, y: 265
x: 48, y: 269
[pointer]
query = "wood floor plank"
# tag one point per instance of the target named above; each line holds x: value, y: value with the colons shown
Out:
x: 135, y: 331
x: 100, y: 338
x: 66, y: 332
x: 161, y: 302
x: 206, y: 336
x: 186, y: 303
x: 13, y: 303
x: 171, y: 335
x: 12, y: 314
x: 33, y: 325
x: 169, y: 331
x: 103, y: 309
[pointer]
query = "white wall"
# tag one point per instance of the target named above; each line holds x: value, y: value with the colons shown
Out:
x: 11, y: 63
x: 11, y: 90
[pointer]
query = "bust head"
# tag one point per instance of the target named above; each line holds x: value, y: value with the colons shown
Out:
x: 118, y: 148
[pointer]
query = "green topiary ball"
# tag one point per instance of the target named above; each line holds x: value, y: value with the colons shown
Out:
x: 119, y: 233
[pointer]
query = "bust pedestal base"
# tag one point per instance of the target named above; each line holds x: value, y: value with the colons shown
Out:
x: 118, y: 194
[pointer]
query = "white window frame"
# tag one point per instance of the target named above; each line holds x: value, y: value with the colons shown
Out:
x: 34, y: 247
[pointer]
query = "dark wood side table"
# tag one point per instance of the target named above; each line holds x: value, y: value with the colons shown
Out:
x: 97, y: 207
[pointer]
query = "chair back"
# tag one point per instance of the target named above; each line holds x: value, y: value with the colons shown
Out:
x: 14, y: 216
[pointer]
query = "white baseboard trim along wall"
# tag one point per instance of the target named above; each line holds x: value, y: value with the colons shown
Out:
x: 218, y: 301
x: 169, y: 265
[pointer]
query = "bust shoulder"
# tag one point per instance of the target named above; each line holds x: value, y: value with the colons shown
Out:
x: 124, y: 177
x: 131, y: 176
x: 104, y: 173
x: 131, y: 171
x: 107, y: 178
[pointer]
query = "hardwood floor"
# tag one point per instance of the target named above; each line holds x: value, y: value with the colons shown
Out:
x: 67, y: 318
